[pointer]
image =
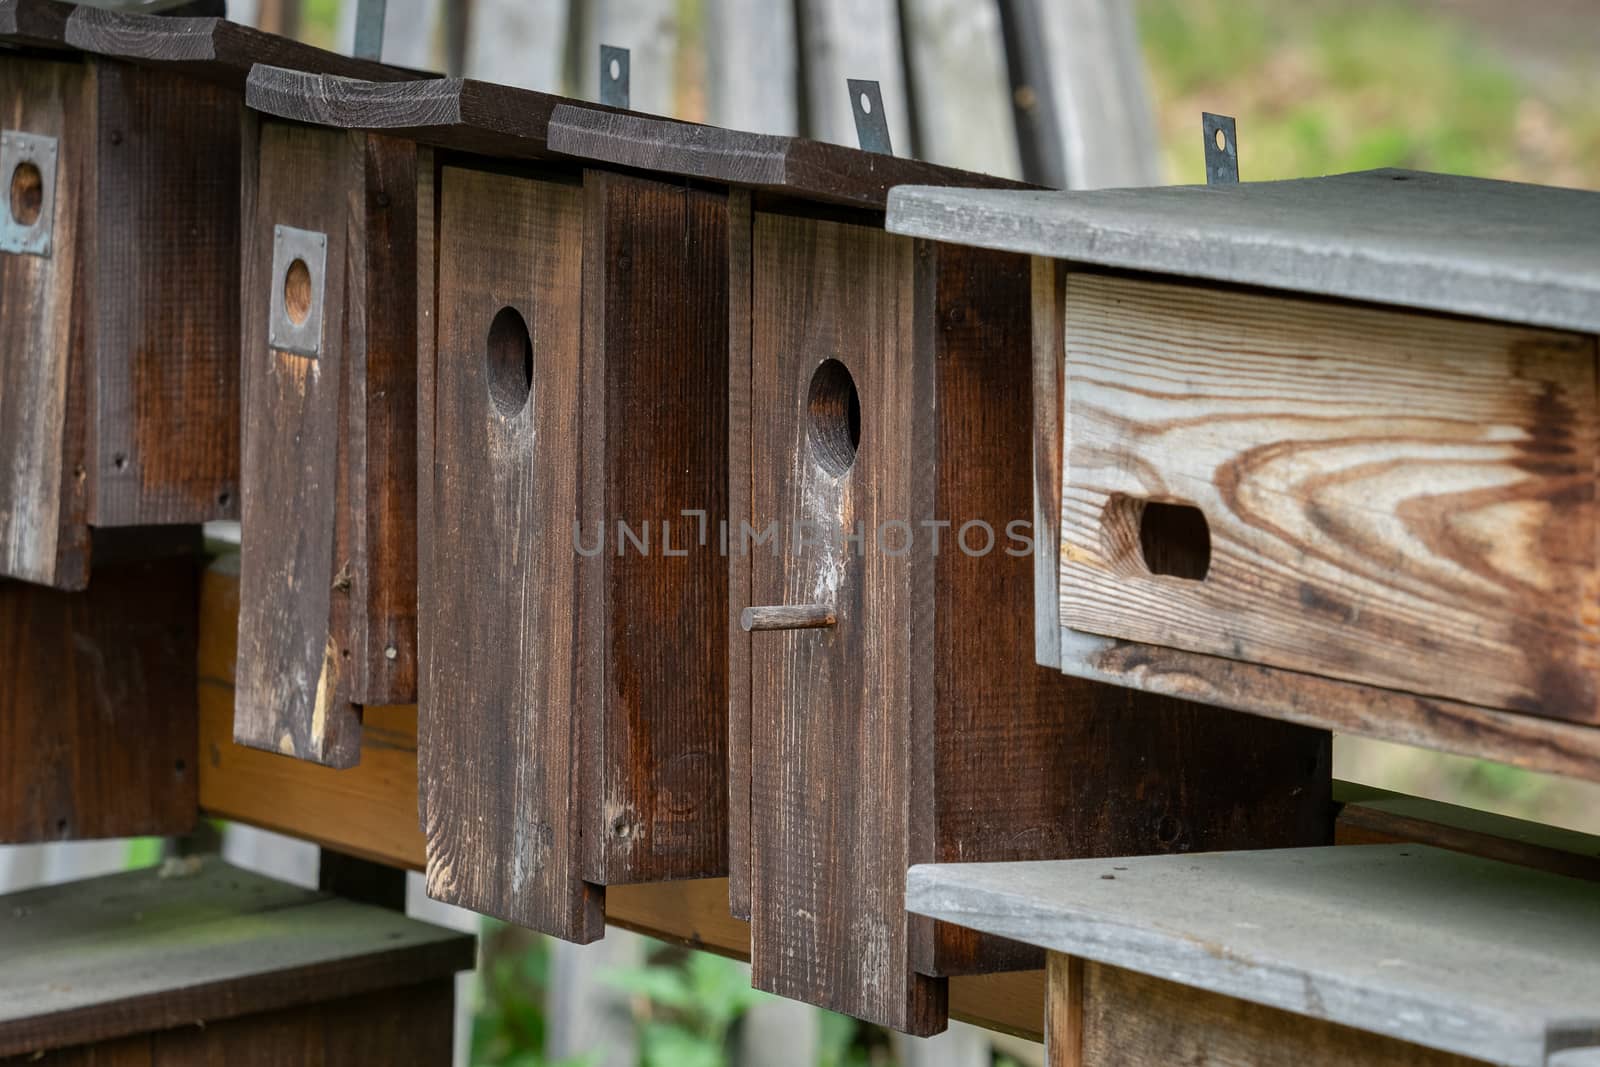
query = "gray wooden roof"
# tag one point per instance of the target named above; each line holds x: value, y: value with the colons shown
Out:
x: 1436, y: 948
x: 1498, y: 250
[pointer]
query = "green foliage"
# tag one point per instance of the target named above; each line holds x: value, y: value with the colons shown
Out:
x: 1324, y: 87
x: 688, y: 1006
x: 509, y: 1028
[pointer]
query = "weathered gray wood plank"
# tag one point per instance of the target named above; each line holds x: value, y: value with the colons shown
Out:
x: 1498, y: 250
x: 843, y: 39
x: 958, y: 75
x: 1107, y: 128
x: 139, y: 951
x: 750, y: 68
x: 1440, y: 949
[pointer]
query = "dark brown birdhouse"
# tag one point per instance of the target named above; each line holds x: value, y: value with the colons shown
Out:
x: 572, y: 475
x: 885, y: 706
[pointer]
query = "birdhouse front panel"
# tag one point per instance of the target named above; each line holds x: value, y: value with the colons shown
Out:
x: 1380, y: 496
x: 574, y: 724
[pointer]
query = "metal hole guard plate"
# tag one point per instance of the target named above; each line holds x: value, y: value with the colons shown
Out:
x: 311, y: 247
x: 16, y: 149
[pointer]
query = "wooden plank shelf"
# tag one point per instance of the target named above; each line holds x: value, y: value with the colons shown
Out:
x: 198, y: 962
x: 1470, y: 957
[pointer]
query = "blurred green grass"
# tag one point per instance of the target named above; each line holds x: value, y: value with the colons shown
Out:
x: 1321, y: 87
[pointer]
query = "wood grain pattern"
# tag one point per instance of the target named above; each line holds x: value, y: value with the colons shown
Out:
x: 1133, y: 1020
x: 630, y: 674
x: 1534, y: 743
x: 293, y: 673
x: 912, y: 706
x: 1393, y: 499
x: 142, y: 952
x: 164, y: 386
x: 789, y: 166
x: 830, y: 705
x: 500, y: 760
x: 380, y: 494
x: 427, y: 303
x: 35, y: 23
x: 509, y: 123
x: 655, y: 307
x: 740, y: 490
x: 44, y: 335
x: 97, y: 712
x: 331, y: 619
x: 1063, y: 1010
x: 211, y: 48
x: 1049, y: 367
x: 407, y: 1027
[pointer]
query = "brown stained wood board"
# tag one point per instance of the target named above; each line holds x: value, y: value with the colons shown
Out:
x: 1133, y: 1020
x: 500, y: 757
x: 381, y: 422
x: 506, y: 122
x: 164, y: 386
x: 793, y: 166
x: 427, y: 304
x: 45, y: 334
x: 34, y: 23
x: 293, y: 676
x: 740, y: 489
x: 1395, y: 499
x: 210, y: 48
x: 835, y: 816
x: 534, y: 442
x: 912, y: 707
x: 146, y: 951
x: 97, y: 706
x: 406, y: 1027
x: 652, y: 673
x: 469, y: 116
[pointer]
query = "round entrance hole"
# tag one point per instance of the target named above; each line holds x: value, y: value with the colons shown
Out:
x: 297, y: 292
x: 27, y: 194
x: 835, y: 411
x: 510, y: 362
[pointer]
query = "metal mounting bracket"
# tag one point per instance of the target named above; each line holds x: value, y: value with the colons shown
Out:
x: 614, y: 76
x: 1222, y: 149
x: 872, y: 125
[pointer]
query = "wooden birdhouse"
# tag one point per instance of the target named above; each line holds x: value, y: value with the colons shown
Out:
x: 328, y: 582
x: 1329, y: 455
x: 572, y: 345
x: 328, y: 606
x: 885, y: 708
x: 118, y: 298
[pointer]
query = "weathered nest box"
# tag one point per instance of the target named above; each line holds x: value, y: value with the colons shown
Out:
x: 119, y: 279
x: 119, y: 273
x: 572, y: 344
x: 328, y: 576
x: 885, y: 707
x: 1321, y: 450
